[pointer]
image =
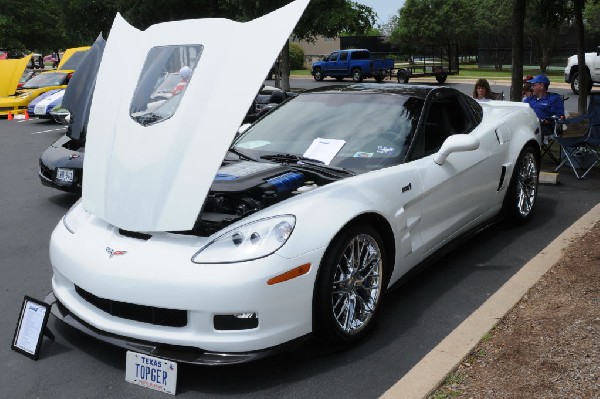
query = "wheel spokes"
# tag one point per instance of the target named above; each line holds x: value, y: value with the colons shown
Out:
x: 356, y: 286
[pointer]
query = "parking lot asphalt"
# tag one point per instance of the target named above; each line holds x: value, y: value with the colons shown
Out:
x: 415, y: 318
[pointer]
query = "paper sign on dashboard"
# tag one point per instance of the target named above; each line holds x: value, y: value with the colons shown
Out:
x: 324, y: 149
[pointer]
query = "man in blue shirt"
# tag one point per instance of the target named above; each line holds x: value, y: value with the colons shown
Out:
x: 545, y: 104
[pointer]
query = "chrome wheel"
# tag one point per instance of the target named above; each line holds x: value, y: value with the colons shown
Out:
x: 357, y: 284
x: 519, y: 202
x: 527, y: 180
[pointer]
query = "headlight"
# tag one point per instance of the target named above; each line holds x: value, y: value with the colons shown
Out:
x: 248, y: 242
x: 75, y: 217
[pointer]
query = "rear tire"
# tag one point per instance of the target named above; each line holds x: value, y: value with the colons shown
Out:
x: 521, y: 195
x: 349, y: 286
x: 379, y: 78
x: 575, y: 86
x: 402, y: 76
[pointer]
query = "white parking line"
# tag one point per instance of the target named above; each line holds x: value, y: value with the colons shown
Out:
x: 60, y: 129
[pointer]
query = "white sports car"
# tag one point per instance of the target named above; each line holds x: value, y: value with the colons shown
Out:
x: 191, y: 248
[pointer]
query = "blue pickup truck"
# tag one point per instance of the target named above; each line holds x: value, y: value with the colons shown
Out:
x: 356, y: 64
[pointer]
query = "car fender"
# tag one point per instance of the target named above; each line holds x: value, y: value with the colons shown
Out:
x: 322, y: 213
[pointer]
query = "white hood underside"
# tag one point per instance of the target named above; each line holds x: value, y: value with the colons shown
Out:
x: 155, y: 178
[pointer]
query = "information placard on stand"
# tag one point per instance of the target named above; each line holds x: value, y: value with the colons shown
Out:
x: 31, y: 327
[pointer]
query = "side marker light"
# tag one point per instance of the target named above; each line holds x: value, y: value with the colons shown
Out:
x: 290, y: 274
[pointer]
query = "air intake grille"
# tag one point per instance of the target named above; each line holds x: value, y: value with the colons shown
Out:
x: 130, y: 311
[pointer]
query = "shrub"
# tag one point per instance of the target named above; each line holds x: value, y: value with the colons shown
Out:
x: 296, y: 56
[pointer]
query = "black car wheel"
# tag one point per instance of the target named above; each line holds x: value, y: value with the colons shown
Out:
x: 575, y: 86
x: 402, y: 76
x: 441, y: 78
x: 318, y: 75
x: 349, y: 285
x: 520, y: 198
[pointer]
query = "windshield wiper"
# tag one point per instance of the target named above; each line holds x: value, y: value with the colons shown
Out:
x: 289, y: 158
x: 300, y: 161
x: 241, y: 154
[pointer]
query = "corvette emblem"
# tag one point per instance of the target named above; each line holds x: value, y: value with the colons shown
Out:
x: 111, y: 252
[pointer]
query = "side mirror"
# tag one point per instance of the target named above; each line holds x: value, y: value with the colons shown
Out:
x: 455, y: 143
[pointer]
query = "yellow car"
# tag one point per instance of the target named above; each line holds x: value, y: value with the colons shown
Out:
x: 15, y: 100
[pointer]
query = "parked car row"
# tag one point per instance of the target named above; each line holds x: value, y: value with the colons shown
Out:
x: 19, y: 86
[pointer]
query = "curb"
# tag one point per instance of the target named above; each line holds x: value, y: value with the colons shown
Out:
x: 425, y: 377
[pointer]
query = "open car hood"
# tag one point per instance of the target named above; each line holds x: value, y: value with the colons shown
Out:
x: 11, y: 71
x: 70, y: 52
x: 155, y: 177
x: 78, y: 95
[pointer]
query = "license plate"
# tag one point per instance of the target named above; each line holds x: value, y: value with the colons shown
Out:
x: 64, y: 175
x: 151, y: 372
x: 40, y: 110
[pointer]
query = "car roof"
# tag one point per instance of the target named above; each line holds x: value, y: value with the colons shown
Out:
x: 418, y: 91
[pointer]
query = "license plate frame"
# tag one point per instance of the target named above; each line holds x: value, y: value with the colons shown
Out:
x: 151, y: 372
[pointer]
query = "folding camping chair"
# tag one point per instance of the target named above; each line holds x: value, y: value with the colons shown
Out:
x: 582, y: 152
x: 548, y: 140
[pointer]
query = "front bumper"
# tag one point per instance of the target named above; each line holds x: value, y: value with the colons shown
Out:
x: 178, y: 354
x: 158, y: 273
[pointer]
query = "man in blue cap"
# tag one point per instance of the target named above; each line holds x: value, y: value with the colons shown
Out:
x: 545, y: 104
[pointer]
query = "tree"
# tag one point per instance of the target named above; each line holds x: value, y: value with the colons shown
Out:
x: 518, y: 22
x: 494, y: 24
x: 143, y: 13
x: 84, y: 20
x: 30, y: 25
x: 322, y: 17
x: 434, y: 22
x: 591, y: 16
x: 544, y: 19
x: 584, y: 82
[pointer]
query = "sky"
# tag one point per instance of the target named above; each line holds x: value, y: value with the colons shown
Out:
x: 384, y: 8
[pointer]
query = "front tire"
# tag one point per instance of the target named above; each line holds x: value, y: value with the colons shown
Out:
x: 357, y: 75
x: 318, y: 75
x: 519, y: 202
x: 349, y: 286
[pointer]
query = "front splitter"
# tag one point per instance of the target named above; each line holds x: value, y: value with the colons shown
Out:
x: 180, y: 354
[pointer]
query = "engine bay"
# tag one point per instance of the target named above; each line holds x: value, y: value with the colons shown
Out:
x: 243, y: 187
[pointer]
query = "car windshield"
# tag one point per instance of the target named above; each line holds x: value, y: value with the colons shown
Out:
x: 46, y: 79
x: 74, y: 61
x: 357, y: 131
